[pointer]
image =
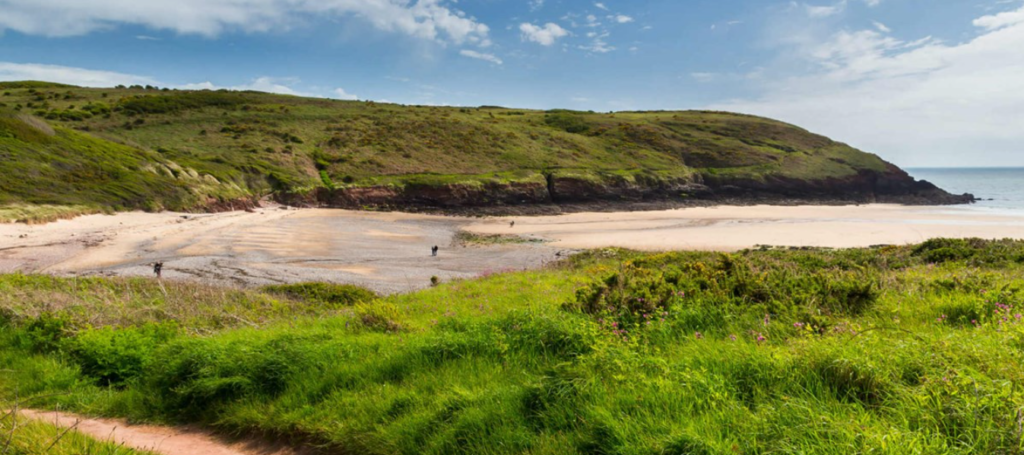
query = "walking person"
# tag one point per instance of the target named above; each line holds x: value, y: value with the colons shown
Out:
x: 158, y: 269
x: 433, y: 251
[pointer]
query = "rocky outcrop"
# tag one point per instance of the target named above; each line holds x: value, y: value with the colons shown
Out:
x: 891, y: 186
x: 580, y: 188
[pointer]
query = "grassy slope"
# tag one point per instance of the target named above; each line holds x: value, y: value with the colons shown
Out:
x: 263, y: 142
x: 897, y: 350
x: 60, y: 166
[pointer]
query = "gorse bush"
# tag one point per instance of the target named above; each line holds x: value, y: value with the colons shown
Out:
x: 163, y: 104
x: 379, y: 316
x: 973, y: 251
x: 646, y: 291
x: 567, y: 121
x: 46, y: 332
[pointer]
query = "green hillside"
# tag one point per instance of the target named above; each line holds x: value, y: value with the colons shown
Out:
x: 149, y: 148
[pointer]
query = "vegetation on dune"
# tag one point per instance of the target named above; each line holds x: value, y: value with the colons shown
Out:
x: 885, y: 350
x: 135, y: 147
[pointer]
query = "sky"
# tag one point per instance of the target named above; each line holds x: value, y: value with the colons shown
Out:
x: 922, y: 83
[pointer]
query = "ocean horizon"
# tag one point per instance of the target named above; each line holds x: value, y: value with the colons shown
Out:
x: 997, y: 188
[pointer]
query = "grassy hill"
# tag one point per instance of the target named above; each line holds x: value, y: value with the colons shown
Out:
x: 149, y: 148
x: 892, y: 350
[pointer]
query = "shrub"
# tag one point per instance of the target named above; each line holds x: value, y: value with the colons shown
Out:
x: 192, y: 376
x: 629, y: 297
x: 46, y: 332
x: 379, y: 316
x: 114, y: 356
x: 567, y: 121
x: 162, y: 104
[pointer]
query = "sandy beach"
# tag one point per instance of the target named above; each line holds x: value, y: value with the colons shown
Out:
x: 390, y: 252
x: 736, y: 228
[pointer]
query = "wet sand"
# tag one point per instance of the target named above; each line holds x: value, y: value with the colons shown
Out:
x: 390, y: 252
x: 387, y: 252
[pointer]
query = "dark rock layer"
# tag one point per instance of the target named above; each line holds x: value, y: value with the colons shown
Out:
x: 611, y: 192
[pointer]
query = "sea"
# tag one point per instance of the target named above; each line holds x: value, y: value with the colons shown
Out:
x: 999, y: 189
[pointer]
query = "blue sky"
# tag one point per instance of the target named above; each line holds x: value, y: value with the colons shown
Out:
x: 921, y: 82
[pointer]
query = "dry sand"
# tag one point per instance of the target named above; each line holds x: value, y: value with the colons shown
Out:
x: 390, y: 252
x: 736, y: 228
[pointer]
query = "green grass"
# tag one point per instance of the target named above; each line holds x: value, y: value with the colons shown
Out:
x: 43, y: 213
x: 27, y: 437
x: 134, y: 148
x: 471, y: 239
x: 891, y: 350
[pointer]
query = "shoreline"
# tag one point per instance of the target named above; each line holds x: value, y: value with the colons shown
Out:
x: 389, y: 252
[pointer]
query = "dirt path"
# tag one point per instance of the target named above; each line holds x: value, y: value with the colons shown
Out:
x: 162, y: 440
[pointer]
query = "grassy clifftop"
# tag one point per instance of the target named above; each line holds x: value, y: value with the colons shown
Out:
x: 252, y: 144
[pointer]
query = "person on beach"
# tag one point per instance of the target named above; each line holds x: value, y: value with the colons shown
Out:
x: 512, y: 224
x: 433, y: 251
x: 158, y: 269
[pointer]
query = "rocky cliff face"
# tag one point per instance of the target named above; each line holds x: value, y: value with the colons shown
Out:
x: 560, y: 189
x: 891, y: 186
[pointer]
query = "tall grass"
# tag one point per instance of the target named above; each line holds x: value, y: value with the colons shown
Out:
x: 829, y: 352
x: 22, y: 436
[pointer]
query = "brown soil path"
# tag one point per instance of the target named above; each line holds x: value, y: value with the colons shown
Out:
x: 162, y: 440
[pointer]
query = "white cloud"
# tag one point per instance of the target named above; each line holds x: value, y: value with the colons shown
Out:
x: 270, y: 85
x: 598, y: 44
x: 426, y: 19
x: 68, y: 75
x: 480, y: 56
x: 1001, y: 20
x: 622, y: 18
x: 825, y: 11
x: 601, y: 6
x: 341, y: 94
x: 545, y: 36
x: 921, y: 102
x: 536, y: 5
x: 280, y: 86
x: 882, y: 27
